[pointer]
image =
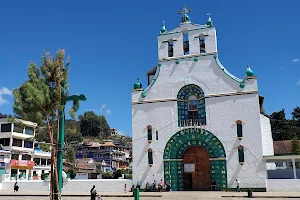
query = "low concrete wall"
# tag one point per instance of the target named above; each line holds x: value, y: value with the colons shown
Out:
x: 26, y: 185
x: 102, y: 185
x: 283, y: 185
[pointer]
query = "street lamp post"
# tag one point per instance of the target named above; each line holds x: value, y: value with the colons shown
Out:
x: 61, y: 135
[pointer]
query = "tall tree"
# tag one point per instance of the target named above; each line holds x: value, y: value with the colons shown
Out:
x: 69, y: 153
x: 295, y: 146
x: 39, y: 99
x: 93, y: 125
x: 296, y: 114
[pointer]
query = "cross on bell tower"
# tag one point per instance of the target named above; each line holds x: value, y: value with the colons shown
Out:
x: 185, y: 17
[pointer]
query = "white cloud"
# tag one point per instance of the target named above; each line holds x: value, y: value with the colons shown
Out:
x: 108, y: 111
x: 4, y: 91
x: 298, y: 82
x: 295, y: 60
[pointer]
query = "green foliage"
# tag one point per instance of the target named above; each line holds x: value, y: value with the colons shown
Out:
x: 295, y: 145
x: 45, y: 147
x: 127, y: 176
x: 3, y: 115
x: 282, y: 128
x: 93, y: 125
x: 107, y: 175
x: 69, y: 153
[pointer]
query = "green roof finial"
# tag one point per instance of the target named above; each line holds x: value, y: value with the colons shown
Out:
x: 137, y: 85
x: 185, y: 17
x: 209, y: 21
x: 163, y: 28
x: 249, y: 71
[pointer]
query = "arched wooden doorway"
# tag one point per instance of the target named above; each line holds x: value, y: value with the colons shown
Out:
x: 196, y: 173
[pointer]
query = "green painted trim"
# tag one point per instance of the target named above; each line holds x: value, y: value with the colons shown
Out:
x: 144, y: 93
x: 169, y: 33
x: 216, y: 57
x: 225, y: 71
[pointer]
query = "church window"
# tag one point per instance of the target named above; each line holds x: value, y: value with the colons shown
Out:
x: 149, y: 132
x: 150, y: 157
x: 239, y: 127
x: 186, y: 46
x: 202, y: 43
x: 241, y: 154
x: 191, y: 106
x: 156, y: 135
x: 170, y: 49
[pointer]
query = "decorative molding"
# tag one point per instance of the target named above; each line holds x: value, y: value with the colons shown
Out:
x: 173, y: 160
x: 217, y: 158
x: 187, y: 56
x: 207, y: 96
x: 202, y: 28
x: 135, y: 90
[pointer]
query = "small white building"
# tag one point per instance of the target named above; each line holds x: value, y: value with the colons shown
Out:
x: 196, y: 125
x: 17, y: 138
x: 42, y: 162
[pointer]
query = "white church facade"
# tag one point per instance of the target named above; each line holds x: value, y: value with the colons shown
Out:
x: 196, y: 125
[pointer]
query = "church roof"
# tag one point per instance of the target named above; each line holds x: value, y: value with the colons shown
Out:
x: 186, y: 24
x: 151, y: 71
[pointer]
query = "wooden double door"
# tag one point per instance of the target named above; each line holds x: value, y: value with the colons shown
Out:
x: 196, y: 173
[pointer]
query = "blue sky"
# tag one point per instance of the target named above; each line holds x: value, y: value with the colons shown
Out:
x: 111, y: 43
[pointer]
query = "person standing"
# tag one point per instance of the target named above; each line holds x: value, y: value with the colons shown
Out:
x: 125, y: 188
x: 93, y: 193
x: 238, y: 186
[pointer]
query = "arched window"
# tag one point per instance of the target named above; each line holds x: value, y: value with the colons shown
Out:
x: 239, y: 129
x: 241, y: 154
x: 191, y: 105
x: 202, y: 43
x: 149, y: 133
x: 150, y: 157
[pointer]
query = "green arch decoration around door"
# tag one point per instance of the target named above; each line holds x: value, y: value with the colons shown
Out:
x: 179, y: 142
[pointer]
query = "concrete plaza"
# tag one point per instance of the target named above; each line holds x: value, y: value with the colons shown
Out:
x: 165, y: 196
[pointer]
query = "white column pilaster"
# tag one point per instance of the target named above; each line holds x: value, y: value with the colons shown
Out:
x: 294, y: 168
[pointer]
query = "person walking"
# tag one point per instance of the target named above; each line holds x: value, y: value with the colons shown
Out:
x: 238, y: 186
x: 93, y: 193
x: 16, y: 187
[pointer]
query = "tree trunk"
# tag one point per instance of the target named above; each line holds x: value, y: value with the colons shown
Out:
x: 54, y: 180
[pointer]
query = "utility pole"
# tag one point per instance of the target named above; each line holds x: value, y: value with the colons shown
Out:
x: 101, y: 109
x: 62, y: 136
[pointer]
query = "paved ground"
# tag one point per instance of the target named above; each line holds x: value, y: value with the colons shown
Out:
x: 177, y: 196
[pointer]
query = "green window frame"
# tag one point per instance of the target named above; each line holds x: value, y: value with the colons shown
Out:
x: 150, y: 157
x: 239, y: 129
x: 241, y: 154
x: 149, y: 133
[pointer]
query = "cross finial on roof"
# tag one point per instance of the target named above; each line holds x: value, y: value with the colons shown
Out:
x: 184, y: 12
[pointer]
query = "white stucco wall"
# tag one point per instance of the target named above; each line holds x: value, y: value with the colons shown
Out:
x: 221, y: 115
x: 283, y: 185
x: 78, y: 186
x: 267, y: 140
x: 26, y: 186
